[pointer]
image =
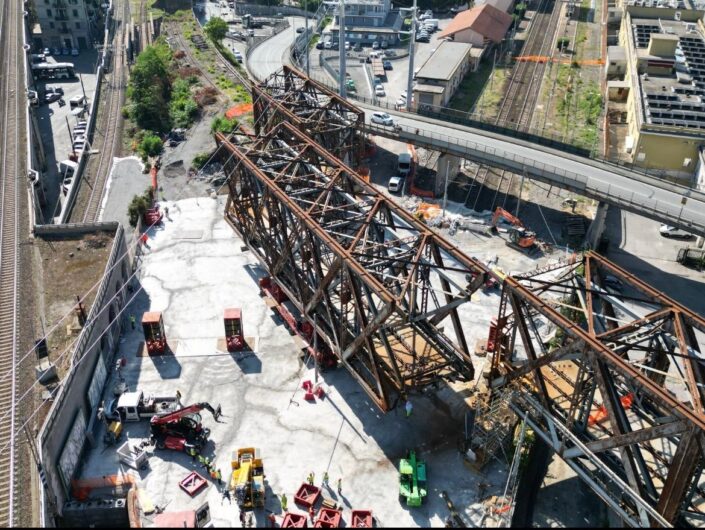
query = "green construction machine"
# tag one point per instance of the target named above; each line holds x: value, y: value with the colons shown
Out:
x: 412, y: 480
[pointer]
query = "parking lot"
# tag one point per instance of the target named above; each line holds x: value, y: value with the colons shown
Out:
x: 396, y: 79
x: 55, y: 120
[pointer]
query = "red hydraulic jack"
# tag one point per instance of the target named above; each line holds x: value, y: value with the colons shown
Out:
x: 234, y: 335
x: 154, y: 335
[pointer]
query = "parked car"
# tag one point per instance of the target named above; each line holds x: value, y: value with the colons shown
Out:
x: 357, y: 47
x: 38, y: 58
x: 56, y: 51
x: 328, y: 45
x: 319, y: 45
x: 672, y: 231
x: 382, y: 118
x: 379, y: 91
x: 54, y: 90
x: 32, y: 97
x: 384, y: 45
x: 238, y: 55
x: 66, y: 184
x: 387, y: 65
x: 77, y: 101
x: 75, y: 52
x: 65, y: 51
x: 300, y: 30
x: 395, y: 184
x: 51, y: 97
x: 46, y: 51
x: 375, y: 45
x: 423, y: 38
x: 347, y: 46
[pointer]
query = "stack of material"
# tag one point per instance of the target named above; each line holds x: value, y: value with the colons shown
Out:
x: 574, y: 226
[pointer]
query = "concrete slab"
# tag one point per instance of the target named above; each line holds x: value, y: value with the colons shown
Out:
x: 191, y: 282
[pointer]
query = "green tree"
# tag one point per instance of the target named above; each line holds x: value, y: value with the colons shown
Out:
x: 151, y: 145
x: 183, y: 107
x: 216, y: 28
x: 150, y: 87
x: 138, y: 205
x: 223, y: 125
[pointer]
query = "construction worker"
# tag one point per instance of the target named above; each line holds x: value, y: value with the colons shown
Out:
x: 219, y: 477
x: 409, y: 408
x: 178, y: 398
x: 226, y: 495
x: 283, y: 501
x: 340, y: 486
x: 325, y: 478
x: 192, y: 452
x: 202, y: 460
x: 311, y: 478
x: 132, y: 321
x: 166, y: 212
x: 218, y: 412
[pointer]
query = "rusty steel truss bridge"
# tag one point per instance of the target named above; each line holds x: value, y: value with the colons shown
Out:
x: 606, y: 370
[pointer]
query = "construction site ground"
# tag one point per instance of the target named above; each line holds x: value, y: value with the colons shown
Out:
x: 193, y: 268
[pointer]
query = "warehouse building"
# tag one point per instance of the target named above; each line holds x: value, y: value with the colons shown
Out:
x: 441, y: 74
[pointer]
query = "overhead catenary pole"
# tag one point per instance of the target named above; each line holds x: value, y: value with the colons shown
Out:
x: 412, y: 41
x: 445, y: 188
x: 306, y: 53
x: 341, y: 46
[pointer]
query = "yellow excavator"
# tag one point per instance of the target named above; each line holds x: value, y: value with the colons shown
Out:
x: 247, y: 480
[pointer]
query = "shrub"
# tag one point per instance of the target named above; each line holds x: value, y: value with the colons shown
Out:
x: 151, y: 145
x: 138, y: 205
x: 183, y: 107
x: 200, y: 160
x: 223, y: 125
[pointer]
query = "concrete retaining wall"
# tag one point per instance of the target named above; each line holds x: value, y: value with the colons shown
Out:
x: 91, y: 363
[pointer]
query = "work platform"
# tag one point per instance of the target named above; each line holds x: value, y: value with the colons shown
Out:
x: 191, y: 282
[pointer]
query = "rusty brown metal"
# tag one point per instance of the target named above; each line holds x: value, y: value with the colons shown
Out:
x: 633, y: 361
x: 382, y: 284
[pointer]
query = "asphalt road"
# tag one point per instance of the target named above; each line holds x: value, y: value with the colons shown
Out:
x: 647, y: 196
x: 269, y: 56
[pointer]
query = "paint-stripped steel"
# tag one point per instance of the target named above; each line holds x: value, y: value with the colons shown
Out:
x: 623, y: 373
x: 12, y: 186
x: 378, y: 281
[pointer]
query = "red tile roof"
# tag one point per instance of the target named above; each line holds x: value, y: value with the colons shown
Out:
x: 486, y: 20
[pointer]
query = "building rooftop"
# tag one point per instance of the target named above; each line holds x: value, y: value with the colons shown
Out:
x: 444, y: 61
x: 486, y: 20
x: 70, y: 265
x: 675, y: 99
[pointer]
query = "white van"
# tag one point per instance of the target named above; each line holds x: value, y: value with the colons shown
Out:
x: 67, y: 168
x: 404, y: 164
x: 431, y: 24
x: 77, y: 101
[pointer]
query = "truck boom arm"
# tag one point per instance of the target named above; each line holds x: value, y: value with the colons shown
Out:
x: 163, y: 419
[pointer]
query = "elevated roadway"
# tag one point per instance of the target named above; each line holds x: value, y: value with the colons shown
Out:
x: 633, y: 191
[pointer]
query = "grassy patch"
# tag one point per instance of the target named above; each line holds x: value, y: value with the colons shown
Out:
x: 314, y: 41
x: 480, y: 91
x: 578, y: 108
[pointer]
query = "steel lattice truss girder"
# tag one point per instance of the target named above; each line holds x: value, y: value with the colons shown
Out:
x: 378, y: 281
x: 622, y: 377
x: 289, y: 96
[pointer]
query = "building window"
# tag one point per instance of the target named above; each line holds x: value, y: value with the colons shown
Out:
x: 78, y: 25
x: 75, y: 12
x: 51, y: 25
x: 48, y: 12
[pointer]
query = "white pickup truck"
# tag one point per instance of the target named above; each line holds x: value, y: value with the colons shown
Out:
x: 136, y: 406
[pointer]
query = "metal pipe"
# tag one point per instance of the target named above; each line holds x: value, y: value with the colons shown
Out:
x: 341, y: 51
x: 412, y: 41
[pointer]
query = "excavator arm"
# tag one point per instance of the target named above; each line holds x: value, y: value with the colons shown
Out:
x: 518, y: 233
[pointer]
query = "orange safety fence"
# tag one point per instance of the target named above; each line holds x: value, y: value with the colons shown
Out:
x: 153, y: 175
x: 601, y: 412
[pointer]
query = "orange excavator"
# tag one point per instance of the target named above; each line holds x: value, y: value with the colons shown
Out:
x: 518, y: 233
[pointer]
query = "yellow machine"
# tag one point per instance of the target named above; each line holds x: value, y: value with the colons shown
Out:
x: 113, y: 432
x: 247, y: 480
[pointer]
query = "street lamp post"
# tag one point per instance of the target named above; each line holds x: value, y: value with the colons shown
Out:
x: 306, y: 39
x: 412, y: 39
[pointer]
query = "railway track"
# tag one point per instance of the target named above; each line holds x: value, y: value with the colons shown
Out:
x: 520, y: 97
x: 11, y: 189
x: 112, y: 136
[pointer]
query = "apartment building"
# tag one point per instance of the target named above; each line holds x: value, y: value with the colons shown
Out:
x: 67, y: 23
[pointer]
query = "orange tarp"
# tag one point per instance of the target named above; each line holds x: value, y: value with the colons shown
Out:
x: 238, y: 110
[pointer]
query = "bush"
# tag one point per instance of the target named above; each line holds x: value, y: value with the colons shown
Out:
x: 223, y: 125
x: 151, y: 145
x: 183, y: 108
x: 138, y: 205
x: 200, y: 160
